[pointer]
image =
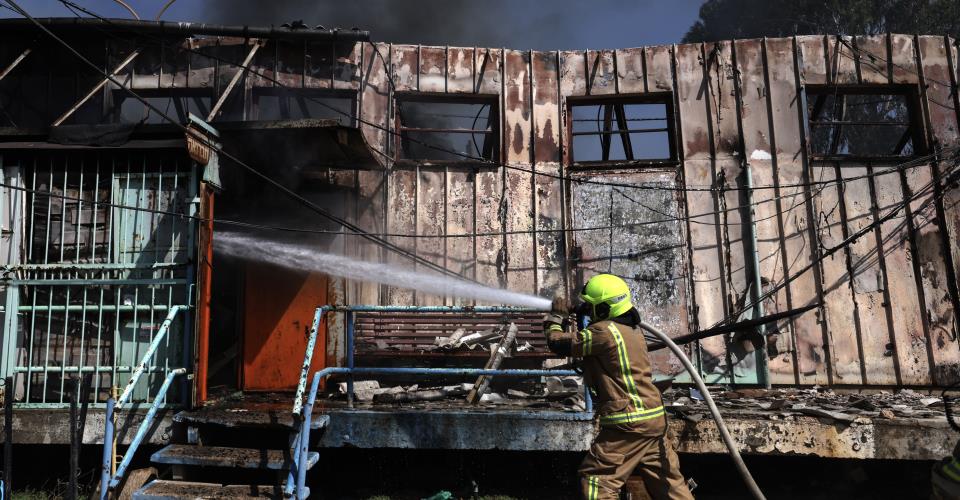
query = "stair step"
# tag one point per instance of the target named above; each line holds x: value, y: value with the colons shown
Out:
x: 159, y: 489
x: 265, y: 418
x: 219, y: 456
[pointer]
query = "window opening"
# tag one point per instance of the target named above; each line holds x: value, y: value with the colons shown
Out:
x: 177, y: 103
x: 621, y: 130
x: 270, y: 104
x: 444, y: 129
x: 863, y: 122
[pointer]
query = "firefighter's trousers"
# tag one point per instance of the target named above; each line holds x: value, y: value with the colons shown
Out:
x: 617, y: 453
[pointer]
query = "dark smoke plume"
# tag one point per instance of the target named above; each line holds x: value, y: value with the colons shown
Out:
x: 485, y: 23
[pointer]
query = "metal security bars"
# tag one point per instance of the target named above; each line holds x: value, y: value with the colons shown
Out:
x: 94, y: 267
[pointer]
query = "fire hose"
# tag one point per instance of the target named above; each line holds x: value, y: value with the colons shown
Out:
x: 724, y: 433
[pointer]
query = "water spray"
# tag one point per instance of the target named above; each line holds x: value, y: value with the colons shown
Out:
x: 304, y: 258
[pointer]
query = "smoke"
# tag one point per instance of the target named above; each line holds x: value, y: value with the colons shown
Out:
x: 304, y: 258
x: 485, y: 23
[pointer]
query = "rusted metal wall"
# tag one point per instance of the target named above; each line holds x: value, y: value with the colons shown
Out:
x: 887, y: 302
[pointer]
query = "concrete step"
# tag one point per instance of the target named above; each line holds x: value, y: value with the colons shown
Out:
x: 234, y: 458
x: 168, y: 490
x: 276, y: 418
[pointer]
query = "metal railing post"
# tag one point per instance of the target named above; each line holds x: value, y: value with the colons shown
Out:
x: 154, y: 345
x: 348, y: 319
x: 305, y: 437
x: 107, y: 451
x: 144, y: 426
x: 307, y: 361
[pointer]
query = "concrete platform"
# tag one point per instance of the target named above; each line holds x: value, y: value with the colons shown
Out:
x: 864, y: 438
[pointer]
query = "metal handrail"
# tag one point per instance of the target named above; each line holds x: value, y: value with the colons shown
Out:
x: 154, y: 345
x: 108, y: 482
x: 300, y: 444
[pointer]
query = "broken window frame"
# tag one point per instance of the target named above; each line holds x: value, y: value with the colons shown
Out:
x: 915, y: 132
x: 618, y: 117
x: 301, y: 95
x: 121, y: 95
x: 491, y: 148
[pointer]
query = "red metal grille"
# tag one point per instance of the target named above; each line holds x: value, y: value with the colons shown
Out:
x: 394, y: 334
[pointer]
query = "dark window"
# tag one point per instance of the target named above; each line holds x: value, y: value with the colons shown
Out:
x: 447, y: 128
x: 175, y: 103
x: 298, y: 104
x: 863, y: 122
x: 621, y: 130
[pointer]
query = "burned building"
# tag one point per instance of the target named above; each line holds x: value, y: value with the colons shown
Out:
x: 725, y: 181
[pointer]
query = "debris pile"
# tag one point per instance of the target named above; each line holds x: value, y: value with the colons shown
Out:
x: 822, y: 403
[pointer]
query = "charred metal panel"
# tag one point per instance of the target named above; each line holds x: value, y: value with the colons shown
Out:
x: 573, y: 73
x: 659, y: 60
x: 813, y: 60
x: 433, y: 69
x: 401, y: 218
x: 858, y: 350
x: 431, y: 220
x: 346, y: 65
x: 489, y: 63
x: 791, y: 207
x: 903, y: 59
x: 705, y: 251
x: 841, y: 60
x: 518, y: 141
x: 937, y: 226
x: 631, y: 72
x: 874, y: 64
x: 461, y: 71
x: 837, y: 297
x: 758, y: 145
x: 460, y: 225
x: 909, y: 337
x: 405, y: 67
x: 632, y: 242
x: 548, y: 188
x: 375, y: 100
x: 601, y: 72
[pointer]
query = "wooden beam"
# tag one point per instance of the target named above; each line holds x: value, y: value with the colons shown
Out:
x: 23, y: 55
x: 133, y: 55
x: 233, y: 82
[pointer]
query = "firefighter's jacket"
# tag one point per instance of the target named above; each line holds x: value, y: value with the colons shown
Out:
x: 617, y: 370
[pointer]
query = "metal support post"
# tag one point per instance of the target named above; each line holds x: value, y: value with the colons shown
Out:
x: 8, y: 437
x: 348, y: 318
x: 107, y: 464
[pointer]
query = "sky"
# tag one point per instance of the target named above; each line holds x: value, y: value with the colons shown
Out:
x: 518, y: 24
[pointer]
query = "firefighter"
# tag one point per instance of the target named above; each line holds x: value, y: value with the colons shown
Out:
x: 633, y: 425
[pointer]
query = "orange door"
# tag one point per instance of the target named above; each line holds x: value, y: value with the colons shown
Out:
x: 278, y: 310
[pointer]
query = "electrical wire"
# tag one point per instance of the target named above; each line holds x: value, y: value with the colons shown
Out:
x: 915, y: 161
x: 464, y: 156
x: 200, y: 138
x: 849, y: 241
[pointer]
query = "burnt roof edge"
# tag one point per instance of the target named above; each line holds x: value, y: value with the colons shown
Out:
x: 188, y: 28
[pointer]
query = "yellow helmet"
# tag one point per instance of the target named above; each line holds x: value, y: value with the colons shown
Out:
x: 608, y: 295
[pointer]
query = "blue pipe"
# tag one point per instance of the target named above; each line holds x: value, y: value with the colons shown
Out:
x: 151, y: 350
x: 433, y: 309
x: 305, y: 438
x: 107, y: 451
x: 294, y: 463
x: 144, y: 427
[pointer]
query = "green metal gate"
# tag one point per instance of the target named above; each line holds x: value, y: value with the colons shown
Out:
x: 95, y: 256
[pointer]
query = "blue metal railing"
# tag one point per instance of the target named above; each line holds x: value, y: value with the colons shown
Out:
x: 300, y: 444
x: 109, y: 480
